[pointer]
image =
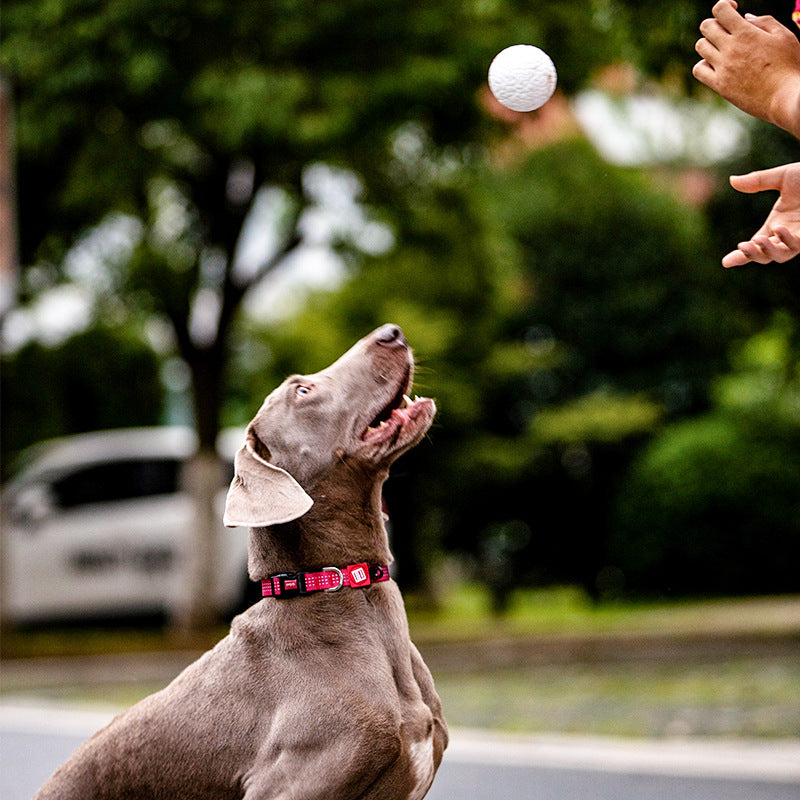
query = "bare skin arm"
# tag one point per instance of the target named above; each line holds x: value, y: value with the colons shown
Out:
x: 753, y: 62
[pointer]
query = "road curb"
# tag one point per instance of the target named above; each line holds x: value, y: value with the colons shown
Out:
x: 773, y: 761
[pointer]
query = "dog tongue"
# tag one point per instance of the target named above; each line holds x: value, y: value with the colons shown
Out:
x: 391, y: 426
x: 397, y: 419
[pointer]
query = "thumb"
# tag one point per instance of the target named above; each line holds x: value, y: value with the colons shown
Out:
x: 759, y: 181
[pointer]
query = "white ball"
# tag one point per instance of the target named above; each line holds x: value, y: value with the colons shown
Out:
x: 522, y: 77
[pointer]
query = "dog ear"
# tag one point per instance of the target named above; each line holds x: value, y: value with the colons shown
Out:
x: 262, y: 494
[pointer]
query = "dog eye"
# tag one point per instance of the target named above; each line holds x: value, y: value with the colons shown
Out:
x: 302, y: 390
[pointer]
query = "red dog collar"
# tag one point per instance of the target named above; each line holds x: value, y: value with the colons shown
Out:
x: 330, y: 579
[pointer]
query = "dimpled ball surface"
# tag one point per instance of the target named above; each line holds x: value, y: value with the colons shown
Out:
x: 522, y: 77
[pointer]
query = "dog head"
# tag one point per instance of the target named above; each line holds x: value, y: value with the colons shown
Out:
x: 357, y: 411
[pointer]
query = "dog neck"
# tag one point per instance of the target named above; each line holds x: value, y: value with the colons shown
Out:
x: 344, y: 526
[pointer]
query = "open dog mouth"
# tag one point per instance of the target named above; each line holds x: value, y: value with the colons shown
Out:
x: 397, y: 416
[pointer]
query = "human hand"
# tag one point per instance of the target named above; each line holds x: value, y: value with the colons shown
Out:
x: 778, y: 239
x: 753, y: 62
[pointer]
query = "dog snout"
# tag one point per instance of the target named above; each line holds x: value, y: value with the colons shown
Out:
x: 390, y: 336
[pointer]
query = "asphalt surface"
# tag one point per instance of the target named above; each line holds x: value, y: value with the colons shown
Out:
x: 35, y: 737
x: 34, y: 740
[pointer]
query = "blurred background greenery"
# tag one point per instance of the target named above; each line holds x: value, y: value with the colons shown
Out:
x: 212, y: 195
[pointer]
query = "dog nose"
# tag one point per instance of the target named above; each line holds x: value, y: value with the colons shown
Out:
x: 390, y: 336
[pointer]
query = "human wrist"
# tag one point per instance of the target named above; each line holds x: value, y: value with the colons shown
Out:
x: 785, y: 105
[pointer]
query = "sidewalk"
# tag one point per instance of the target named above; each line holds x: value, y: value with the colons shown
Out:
x: 460, y: 656
x: 26, y: 674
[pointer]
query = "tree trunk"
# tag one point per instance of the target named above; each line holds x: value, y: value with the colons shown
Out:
x: 196, y: 611
x: 203, y: 477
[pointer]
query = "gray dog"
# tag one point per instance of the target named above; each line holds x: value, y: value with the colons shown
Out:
x: 317, y: 691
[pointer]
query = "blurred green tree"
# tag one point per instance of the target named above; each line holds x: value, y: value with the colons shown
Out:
x: 621, y: 276
x: 100, y: 378
x: 180, y: 112
x: 193, y: 116
x: 563, y: 308
x: 624, y: 311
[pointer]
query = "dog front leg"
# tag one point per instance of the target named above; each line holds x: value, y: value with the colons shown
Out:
x: 345, y: 767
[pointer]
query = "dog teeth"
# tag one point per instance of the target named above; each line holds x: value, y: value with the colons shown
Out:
x: 407, y: 401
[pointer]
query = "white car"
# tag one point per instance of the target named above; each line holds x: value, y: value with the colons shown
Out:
x: 96, y: 525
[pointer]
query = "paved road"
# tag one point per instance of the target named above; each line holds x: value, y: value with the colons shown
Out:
x: 480, y: 765
x: 33, y: 741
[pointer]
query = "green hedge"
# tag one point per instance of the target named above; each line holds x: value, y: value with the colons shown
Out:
x: 712, y: 507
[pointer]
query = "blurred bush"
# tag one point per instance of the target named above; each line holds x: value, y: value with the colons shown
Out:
x: 712, y: 505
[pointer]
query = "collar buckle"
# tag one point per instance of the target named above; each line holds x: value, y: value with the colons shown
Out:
x: 287, y: 584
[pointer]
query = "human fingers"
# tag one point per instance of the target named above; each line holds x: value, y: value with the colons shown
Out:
x: 787, y: 237
x: 726, y: 23
x: 762, y: 249
x: 786, y: 245
x: 713, y: 31
x: 706, y: 50
x: 704, y: 72
x: 752, y: 252
x: 736, y: 258
x: 759, y: 180
x: 780, y: 247
x: 771, y: 247
x: 726, y: 14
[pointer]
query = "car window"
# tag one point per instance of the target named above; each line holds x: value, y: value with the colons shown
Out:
x: 119, y: 480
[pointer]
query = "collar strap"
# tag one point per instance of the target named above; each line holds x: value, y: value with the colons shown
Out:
x: 330, y: 579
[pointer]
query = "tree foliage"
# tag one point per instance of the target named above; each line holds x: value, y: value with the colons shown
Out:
x: 122, y: 104
x: 101, y: 378
x: 563, y: 308
x: 621, y: 276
